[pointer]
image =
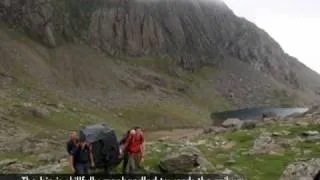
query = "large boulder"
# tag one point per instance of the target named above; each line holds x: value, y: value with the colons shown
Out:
x: 264, y: 144
x: 187, y: 159
x: 302, y: 170
x: 36, y: 112
x: 315, y: 110
x: 249, y: 124
x: 215, y: 130
x: 7, y: 162
x: 232, y: 123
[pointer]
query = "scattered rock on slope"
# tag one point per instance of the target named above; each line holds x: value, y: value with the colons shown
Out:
x: 302, y: 170
x: 38, y: 112
x: 264, y: 144
x: 13, y: 165
x: 7, y: 162
x: 310, y: 133
x: 49, y: 169
x: 215, y: 130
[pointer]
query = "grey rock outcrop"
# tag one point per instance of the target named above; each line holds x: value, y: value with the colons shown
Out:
x: 264, y: 144
x: 188, y: 159
x: 34, y: 16
x: 38, y: 112
x: 302, y: 170
x: 233, y: 123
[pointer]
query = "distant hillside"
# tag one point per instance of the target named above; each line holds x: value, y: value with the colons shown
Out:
x: 193, y: 53
x: 161, y: 64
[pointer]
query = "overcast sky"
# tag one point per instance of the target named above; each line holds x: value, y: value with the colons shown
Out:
x: 295, y: 24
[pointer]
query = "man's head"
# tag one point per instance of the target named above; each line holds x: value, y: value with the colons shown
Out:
x: 73, y: 135
x: 138, y: 129
x: 132, y: 131
x: 81, y: 140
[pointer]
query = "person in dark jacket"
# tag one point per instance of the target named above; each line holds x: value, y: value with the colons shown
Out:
x: 71, y: 144
x: 81, y: 157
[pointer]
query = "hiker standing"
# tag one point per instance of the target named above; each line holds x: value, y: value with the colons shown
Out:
x: 135, y: 147
x: 81, y: 157
x: 123, y: 152
x: 71, y: 144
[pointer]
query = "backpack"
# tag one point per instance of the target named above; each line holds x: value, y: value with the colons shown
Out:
x: 124, y: 139
x: 134, y: 145
x: 82, y: 155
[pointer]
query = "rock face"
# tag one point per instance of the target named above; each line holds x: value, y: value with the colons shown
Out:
x: 185, y: 34
x: 304, y: 170
x: 35, y: 15
x: 194, y: 33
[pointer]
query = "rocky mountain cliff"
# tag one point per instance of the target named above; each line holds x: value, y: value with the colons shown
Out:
x: 159, y: 64
x: 186, y: 36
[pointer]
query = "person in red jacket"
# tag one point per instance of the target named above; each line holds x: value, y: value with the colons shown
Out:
x: 135, y: 147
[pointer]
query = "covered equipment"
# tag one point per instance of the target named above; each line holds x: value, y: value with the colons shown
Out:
x: 105, y: 147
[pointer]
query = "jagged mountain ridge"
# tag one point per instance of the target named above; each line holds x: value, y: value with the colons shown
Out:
x: 157, y: 64
x: 191, y: 33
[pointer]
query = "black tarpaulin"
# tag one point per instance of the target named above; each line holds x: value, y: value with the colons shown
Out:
x: 104, y: 142
x: 95, y: 132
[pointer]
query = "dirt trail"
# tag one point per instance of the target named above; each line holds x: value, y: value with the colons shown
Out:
x: 173, y: 135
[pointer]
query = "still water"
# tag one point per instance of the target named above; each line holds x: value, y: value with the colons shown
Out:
x: 254, y: 113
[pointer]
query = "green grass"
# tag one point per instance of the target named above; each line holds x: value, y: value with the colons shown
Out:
x: 156, y: 152
x: 211, y: 102
x: 161, y: 116
x: 14, y: 32
x: 284, y: 99
x: 208, y: 100
x: 244, y: 139
x: 293, y: 131
x: 24, y: 157
x: 203, y: 92
x: 262, y: 167
x: 159, y: 65
x: 259, y: 167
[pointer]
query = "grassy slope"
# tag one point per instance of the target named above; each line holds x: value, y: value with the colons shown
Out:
x: 257, y: 167
x: 54, y: 75
x: 263, y: 167
x: 79, y: 67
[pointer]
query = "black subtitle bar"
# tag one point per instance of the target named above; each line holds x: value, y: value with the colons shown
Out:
x: 121, y: 177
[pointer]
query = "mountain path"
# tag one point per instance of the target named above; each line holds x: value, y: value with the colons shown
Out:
x: 173, y: 135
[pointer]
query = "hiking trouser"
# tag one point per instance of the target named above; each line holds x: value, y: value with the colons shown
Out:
x: 125, y: 162
x: 82, y: 168
x: 134, y: 163
x: 106, y: 168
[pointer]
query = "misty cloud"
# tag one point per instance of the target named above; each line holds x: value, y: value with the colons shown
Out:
x: 295, y: 24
